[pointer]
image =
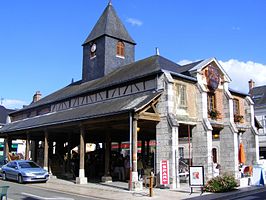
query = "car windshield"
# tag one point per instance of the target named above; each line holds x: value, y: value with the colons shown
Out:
x: 28, y: 165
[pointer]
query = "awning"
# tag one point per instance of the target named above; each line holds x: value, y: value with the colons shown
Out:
x: 99, y: 109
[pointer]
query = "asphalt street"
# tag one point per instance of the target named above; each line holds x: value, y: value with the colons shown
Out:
x: 254, y: 196
x: 31, y: 191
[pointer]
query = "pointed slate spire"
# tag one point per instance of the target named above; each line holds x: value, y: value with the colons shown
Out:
x: 109, y: 24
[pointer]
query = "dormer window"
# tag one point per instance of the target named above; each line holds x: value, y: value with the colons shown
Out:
x: 120, y: 49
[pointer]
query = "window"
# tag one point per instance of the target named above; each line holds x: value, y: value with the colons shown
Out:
x: 181, y: 95
x: 181, y: 152
x: 212, y: 109
x: 236, y: 106
x: 236, y: 110
x: 214, y: 155
x: 120, y: 49
x: 93, y: 51
x: 211, y: 102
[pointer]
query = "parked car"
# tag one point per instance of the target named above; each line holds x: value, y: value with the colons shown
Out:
x: 24, y: 171
x: 3, y: 161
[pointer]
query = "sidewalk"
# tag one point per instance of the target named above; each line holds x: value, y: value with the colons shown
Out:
x: 118, y: 190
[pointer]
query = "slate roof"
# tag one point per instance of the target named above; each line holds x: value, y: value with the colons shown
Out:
x: 109, y: 107
x: 149, y: 66
x: 3, y: 114
x: 258, y: 95
x: 184, y: 69
x: 232, y: 91
x: 109, y: 24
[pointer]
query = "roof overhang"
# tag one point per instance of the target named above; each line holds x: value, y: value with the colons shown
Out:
x: 130, y: 103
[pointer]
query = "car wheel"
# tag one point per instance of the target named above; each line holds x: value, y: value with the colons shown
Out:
x: 4, y: 176
x: 20, y: 178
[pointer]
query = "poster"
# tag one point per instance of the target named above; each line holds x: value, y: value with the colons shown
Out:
x: 196, y: 176
x: 164, y: 172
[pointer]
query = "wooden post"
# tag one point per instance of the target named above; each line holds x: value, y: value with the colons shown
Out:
x: 148, y: 151
x: 151, y: 186
x: 82, y: 153
x: 6, y: 148
x: 82, y: 179
x: 68, y: 152
x: 46, y: 147
x: 107, y: 154
x: 135, y: 145
x: 27, y: 153
x: 143, y: 149
x: 107, y: 177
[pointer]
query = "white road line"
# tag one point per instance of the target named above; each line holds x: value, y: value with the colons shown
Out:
x: 46, y: 198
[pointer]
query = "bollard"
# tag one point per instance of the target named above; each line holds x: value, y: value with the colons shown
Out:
x: 151, y: 186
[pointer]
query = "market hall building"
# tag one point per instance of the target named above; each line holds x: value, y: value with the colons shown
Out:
x: 189, y: 111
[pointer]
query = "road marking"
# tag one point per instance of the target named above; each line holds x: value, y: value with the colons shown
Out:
x: 46, y: 198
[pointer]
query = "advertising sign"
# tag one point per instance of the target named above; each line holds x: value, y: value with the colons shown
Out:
x: 196, y: 176
x: 164, y: 172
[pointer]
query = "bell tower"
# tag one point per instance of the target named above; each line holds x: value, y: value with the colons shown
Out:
x: 107, y: 47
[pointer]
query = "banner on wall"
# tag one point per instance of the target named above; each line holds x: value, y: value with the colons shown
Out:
x: 164, y: 172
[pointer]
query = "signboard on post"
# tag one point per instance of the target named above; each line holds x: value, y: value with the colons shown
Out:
x: 196, y: 177
x: 164, y: 172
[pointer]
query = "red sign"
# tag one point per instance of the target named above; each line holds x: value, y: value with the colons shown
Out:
x: 164, y: 172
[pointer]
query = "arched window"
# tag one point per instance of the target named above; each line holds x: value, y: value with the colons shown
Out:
x: 214, y: 155
x: 120, y: 49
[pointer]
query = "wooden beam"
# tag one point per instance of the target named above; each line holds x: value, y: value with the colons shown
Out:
x: 149, y: 116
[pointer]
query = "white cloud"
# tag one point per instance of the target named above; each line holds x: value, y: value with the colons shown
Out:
x: 134, y: 22
x: 13, y: 103
x: 241, y: 72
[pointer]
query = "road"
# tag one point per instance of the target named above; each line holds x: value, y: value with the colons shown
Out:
x: 254, y: 196
x: 31, y: 191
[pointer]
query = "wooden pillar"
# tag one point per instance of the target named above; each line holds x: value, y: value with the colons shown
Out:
x: 27, y: 153
x: 135, y: 182
x: 107, y: 177
x: 6, y: 147
x: 82, y: 179
x: 46, y: 148
x: 143, y: 149
x: 36, y: 147
x: 68, y: 152
x: 107, y: 154
x: 82, y: 153
x: 148, y: 151
x: 119, y: 147
x: 135, y: 145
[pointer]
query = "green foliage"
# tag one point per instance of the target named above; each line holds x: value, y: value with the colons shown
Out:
x: 221, y: 184
x: 214, y: 114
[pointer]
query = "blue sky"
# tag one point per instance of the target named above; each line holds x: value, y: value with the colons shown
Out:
x: 40, y: 41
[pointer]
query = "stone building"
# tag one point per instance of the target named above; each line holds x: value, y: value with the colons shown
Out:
x: 258, y: 95
x: 188, y: 110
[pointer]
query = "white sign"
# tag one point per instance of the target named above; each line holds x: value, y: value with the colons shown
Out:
x: 196, y: 176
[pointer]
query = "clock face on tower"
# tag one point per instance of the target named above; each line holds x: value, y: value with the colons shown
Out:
x: 93, y: 48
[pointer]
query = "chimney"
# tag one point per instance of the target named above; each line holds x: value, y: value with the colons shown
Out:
x: 251, y: 84
x: 157, y: 51
x: 36, y: 97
